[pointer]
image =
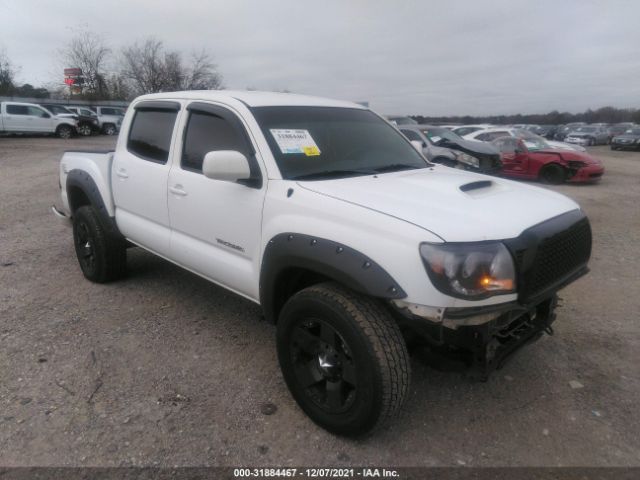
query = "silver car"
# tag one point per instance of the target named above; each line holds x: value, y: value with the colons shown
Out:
x: 441, y: 145
x: 588, y: 135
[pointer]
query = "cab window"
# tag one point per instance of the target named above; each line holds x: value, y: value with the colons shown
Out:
x: 207, y: 132
x: 150, y: 134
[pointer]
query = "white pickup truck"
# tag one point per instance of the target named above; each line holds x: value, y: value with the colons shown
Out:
x: 29, y: 118
x: 355, y: 246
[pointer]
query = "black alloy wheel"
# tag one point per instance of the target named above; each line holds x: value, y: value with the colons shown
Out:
x: 343, y: 358
x: 323, y: 365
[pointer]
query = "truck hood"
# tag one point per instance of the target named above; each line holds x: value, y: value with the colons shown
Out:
x: 455, y: 205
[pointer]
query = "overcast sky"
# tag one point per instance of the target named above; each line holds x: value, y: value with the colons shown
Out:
x: 410, y: 57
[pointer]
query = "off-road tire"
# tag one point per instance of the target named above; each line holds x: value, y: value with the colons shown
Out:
x: 380, y: 361
x: 553, y: 174
x: 64, y: 131
x: 102, y: 258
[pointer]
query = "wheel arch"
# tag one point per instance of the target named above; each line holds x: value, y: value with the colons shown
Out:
x: 81, y: 191
x: 294, y: 261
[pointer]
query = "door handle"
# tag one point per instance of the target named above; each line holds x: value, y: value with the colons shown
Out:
x: 177, y: 190
x: 122, y: 173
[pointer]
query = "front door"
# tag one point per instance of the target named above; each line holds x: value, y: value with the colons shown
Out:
x: 216, y: 225
x: 514, y: 156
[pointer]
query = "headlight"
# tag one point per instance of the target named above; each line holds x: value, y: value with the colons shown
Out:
x: 471, y: 271
x: 94, y: 121
x: 468, y: 159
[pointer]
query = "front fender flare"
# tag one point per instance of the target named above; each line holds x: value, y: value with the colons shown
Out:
x: 330, y: 259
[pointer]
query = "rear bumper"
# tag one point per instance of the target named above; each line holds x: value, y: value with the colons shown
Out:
x: 590, y: 173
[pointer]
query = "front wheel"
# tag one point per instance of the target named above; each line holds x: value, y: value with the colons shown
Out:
x: 84, y: 129
x: 343, y: 358
x: 64, y: 131
x: 553, y: 174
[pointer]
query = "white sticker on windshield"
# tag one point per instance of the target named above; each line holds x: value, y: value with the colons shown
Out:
x: 295, y: 141
x: 436, y: 139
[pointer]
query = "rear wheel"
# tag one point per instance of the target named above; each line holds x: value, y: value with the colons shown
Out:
x: 343, y: 358
x: 592, y: 142
x: 553, y: 174
x: 109, y: 129
x: 102, y: 258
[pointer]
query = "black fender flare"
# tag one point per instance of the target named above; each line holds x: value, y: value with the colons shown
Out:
x: 330, y: 259
x: 82, y: 180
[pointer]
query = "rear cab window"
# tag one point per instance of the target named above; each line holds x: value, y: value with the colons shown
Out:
x: 151, y: 130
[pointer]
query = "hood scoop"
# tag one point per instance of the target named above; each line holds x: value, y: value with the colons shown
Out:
x: 480, y: 184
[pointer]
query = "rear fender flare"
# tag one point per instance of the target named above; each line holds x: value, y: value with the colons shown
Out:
x: 79, y: 179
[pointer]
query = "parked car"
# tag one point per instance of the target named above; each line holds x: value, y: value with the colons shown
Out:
x: 89, y: 115
x: 326, y: 216
x: 445, y: 147
x: 109, y: 119
x: 588, y: 135
x: 532, y: 158
x: 629, y: 139
x: 564, y: 130
x: 467, y: 129
x: 619, y: 129
x: 26, y: 118
x: 546, y: 131
x: 490, y: 134
x: 401, y: 120
x: 86, y: 125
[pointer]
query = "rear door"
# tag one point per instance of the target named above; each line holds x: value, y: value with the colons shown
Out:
x: 15, y: 118
x: 216, y: 225
x: 140, y: 172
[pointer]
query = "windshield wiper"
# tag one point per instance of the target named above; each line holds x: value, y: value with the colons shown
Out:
x: 396, y: 166
x: 332, y: 173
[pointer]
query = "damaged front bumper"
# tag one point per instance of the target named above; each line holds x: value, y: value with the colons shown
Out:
x: 481, y: 339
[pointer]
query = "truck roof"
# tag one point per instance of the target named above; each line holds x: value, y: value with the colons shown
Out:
x: 254, y: 98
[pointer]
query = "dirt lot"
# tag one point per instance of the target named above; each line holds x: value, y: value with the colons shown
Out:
x: 166, y: 369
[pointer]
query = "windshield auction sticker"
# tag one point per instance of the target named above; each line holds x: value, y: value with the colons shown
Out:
x: 295, y: 141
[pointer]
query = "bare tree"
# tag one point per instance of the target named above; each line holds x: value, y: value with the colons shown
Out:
x: 203, y: 73
x: 151, y: 69
x: 88, y: 51
x: 7, y: 75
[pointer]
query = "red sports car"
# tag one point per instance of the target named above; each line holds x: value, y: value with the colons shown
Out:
x: 532, y: 158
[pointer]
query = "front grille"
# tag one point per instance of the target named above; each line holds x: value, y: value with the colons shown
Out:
x: 547, y: 263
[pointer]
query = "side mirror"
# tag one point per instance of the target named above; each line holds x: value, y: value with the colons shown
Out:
x: 418, y: 145
x: 226, y: 165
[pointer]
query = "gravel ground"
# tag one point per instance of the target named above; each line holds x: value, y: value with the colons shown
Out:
x: 165, y: 369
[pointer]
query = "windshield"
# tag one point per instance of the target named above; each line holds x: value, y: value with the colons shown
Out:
x: 56, y: 110
x: 315, y: 143
x: 532, y: 142
x: 586, y: 129
x: 439, y: 135
x: 633, y: 131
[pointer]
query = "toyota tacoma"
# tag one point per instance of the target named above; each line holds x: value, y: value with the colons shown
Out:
x: 355, y: 246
